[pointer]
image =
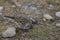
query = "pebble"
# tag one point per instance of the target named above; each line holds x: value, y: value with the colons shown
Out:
x: 47, y: 16
x: 44, y: 19
x: 1, y: 8
x: 58, y: 24
x: 50, y: 6
x: 13, y: 6
x: 10, y: 32
x: 57, y: 14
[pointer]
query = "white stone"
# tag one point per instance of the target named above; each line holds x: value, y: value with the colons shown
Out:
x: 47, y: 16
x: 9, y: 32
x: 44, y: 19
x: 17, y: 4
x: 58, y: 24
x: 57, y: 14
x: 1, y: 8
x: 50, y: 6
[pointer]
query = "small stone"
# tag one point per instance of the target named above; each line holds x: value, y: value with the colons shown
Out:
x: 58, y: 24
x: 1, y: 8
x: 13, y: 6
x: 9, y: 32
x: 47, y: 16
x: 44, y: 19
x: 17, y: 4
x: 0, y: 13
x: 57, y: 14
x: 50, y: 6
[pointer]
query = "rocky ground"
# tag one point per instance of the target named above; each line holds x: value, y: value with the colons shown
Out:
x: 29, y: 19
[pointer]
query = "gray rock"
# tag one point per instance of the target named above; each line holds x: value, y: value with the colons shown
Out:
x: 9, y: 32
x: 1, y: 8
x: 57, y: 14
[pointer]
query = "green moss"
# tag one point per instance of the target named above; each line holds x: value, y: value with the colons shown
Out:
x: 40, y: 32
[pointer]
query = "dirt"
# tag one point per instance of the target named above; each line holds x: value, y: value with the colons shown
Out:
x: 44, y: 30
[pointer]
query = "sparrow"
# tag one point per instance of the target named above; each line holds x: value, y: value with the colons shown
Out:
x: 23, y: 23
